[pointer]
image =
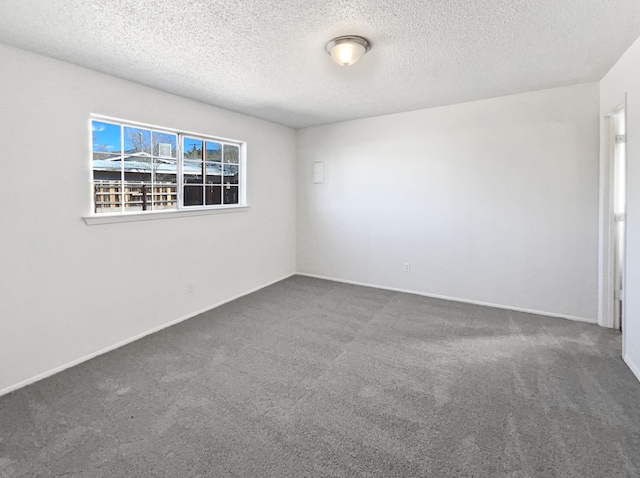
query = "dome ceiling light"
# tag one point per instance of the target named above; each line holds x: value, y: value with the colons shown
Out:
x: 348, y: 49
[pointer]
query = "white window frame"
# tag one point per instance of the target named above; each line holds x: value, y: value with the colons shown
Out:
x: 180, y: 211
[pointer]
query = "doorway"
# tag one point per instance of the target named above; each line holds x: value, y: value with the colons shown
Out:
x: 617, y: 158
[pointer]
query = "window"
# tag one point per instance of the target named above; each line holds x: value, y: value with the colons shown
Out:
x: 138, y: 168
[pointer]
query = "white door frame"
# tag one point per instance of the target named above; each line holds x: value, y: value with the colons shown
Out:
x: 606, y: 259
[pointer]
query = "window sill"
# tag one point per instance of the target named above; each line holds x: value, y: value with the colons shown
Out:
x: 107, y: 218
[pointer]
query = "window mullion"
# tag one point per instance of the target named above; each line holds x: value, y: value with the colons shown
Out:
x: 122, y: 177
x: 180, y: 173
x: 204, y: 172
x: 222, y: 186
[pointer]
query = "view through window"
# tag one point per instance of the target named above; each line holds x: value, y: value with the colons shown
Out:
x: 139, y: 168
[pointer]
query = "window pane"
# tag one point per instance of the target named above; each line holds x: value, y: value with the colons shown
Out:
x: 107, y: 169
x: 165, y: 185
x: 231, y: 153
x: 231, y: 173
x: 165, y: 196
x: 213, y: 195
x: 192, y: 196
x: 165, y: 170
x: 192, y: 172
x: 137, y: 191
x: 135, y: 164
x: 164, y: 144
x: 107, y: 195
x: 192, y: 148
x: 137, y: 141
x: 230, y: 194
x: 214, y: 168
x: 105, y: 137
x: 214, y: 172
x: 214, y: 151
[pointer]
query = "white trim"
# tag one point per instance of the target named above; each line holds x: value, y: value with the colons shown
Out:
x: 626, y: 229
x: 605, y: 253
x: 454, y: 299
x: 606, y: 224
x: 634, y: 368
x: 73, y: 363
x: 109, y: 218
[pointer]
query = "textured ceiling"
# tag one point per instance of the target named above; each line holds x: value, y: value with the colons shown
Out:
x: 266, y: 58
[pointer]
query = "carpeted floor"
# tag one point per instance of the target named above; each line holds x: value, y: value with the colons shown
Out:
x: 310, y: 378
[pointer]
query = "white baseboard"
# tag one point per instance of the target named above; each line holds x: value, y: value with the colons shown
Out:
x: 634, y: 368
x: 49, y: 373
x: 454, y: 299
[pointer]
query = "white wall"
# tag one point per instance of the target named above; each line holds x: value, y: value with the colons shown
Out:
x: 68, y: 290
x: 494, y: 201
x: 624, y: 78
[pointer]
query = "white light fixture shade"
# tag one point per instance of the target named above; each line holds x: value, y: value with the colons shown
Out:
x: 347, y: 50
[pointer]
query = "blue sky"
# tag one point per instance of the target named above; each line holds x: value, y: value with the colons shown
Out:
x: 106, y: 134
x: 107, y: 137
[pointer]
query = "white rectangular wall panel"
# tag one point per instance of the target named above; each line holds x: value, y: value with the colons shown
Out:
x: 318, y: 172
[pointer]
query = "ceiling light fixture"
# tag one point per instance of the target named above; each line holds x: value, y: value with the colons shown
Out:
x: 348, y: 49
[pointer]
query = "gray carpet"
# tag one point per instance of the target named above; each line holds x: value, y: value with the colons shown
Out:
x: 310, y: 378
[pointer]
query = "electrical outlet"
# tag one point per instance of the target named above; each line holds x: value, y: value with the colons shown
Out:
x: 191, y: 286
x: 407, y: 266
